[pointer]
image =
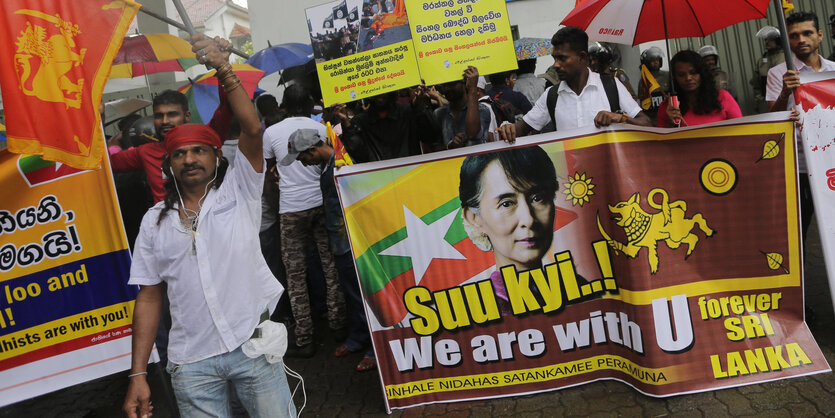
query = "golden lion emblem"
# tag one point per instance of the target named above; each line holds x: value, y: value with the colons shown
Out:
x: 53, y: 57
x: 644, y: 230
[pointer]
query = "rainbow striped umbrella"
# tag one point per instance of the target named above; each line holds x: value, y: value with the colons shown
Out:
x: 527, y: 48
x: 203, y: 96
x: 152, y: 53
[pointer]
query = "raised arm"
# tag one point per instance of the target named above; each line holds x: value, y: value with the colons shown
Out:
x: 215, y: 52
x: 472, y: 121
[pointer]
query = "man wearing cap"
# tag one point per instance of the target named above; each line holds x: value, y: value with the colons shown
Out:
x: 302, y: 216
x: 464, y: 121
x: 202, y: 240
x: 307, y: 147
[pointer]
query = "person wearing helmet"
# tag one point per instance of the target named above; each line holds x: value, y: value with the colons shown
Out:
x: 710, y: 55
x: 772, y: 56
x: 601, y: 61
x: 653, y: 59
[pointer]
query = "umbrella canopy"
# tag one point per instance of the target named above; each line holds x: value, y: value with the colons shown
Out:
x: 136, y: 69
x: 282, y: 56
x: 633, y: 22
x: 152, y: 53
x: 203, y: 96
x: 118, y: 109
x: 527, y: 48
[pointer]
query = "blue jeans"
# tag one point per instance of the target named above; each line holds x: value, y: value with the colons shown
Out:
x: 202, y: 391
x: 358, y: 335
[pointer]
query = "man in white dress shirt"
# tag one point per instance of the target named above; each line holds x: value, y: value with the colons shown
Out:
x: 582, y: 99
x: 202, y: 240
x: 805, y: 37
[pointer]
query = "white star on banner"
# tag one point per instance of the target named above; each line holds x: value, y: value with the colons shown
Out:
x: 424, y: 242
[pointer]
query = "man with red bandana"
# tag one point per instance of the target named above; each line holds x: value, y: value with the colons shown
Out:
x: 170, y: 110
x: 221, y: 294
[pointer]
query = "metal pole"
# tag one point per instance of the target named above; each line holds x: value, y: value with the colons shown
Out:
x: 784, y: 33
x: 147, y: 83
x: 182, y: 27
x: 667, y: 43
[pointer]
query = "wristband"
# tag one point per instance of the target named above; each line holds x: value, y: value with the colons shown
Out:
x: 137, y: 374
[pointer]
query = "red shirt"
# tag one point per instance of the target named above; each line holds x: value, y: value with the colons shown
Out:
x: 729, y: 110
x: 148, y: 157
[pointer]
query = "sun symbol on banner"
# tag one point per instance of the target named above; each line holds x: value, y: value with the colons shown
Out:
x: 718, y: 177
x: 578, y: 189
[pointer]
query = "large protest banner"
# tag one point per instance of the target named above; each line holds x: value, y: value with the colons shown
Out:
x: 360, y: 53
x: 668, y: 260
x: 816, y: 97
x: 65, y: 307
x: 450, y: 35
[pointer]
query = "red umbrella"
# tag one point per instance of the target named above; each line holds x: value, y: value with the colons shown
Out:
x: 633, y: 22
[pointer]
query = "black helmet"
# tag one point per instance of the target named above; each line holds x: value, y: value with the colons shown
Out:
x: 832, y: 20
x: 601, y: 52
x: 652, y: 54
x: 142, y: 131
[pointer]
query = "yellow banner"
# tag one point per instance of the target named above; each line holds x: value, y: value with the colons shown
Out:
x: 449, y: 36
x: 67, y: 329
x: 368, y: 74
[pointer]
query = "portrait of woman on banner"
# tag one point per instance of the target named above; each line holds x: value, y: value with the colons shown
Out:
x: 507, y: 201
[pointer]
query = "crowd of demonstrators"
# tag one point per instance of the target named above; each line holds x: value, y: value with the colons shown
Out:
x: 288, y: 206
x: 302, y: 215
x: 307, y: 147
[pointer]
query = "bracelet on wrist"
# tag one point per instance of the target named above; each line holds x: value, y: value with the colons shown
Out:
x: 137, y: 374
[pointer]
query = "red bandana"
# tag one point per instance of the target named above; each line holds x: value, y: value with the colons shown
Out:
x: 191, y: 134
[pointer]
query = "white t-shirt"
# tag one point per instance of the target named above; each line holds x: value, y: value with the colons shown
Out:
x: 298, y: 185
x: 218, y: 281
x: 573, y: 111
x: 774, y: 85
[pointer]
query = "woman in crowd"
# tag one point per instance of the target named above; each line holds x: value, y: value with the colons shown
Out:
x: 700, y: 101
x: 508, y: 207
